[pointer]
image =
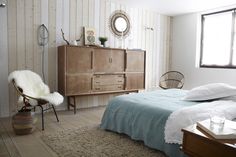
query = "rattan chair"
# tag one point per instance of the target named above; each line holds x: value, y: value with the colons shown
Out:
x: 172, y: 79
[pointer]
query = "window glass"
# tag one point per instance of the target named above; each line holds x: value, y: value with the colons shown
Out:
x: 234, y: 44
x: 216, y: 43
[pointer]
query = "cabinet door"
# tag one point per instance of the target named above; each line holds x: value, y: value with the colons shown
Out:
x: 117, y: 60
x: 79, y: 59
x: 135, y: 81
x: 102, y: 60
x: 135, y: 61
x: 78, y: 84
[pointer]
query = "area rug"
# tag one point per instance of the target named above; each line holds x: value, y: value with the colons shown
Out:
x: 95, y: 142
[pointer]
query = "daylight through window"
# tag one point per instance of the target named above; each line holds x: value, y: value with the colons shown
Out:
x: 218, y: 41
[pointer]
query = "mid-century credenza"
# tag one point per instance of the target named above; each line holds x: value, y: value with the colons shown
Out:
x: 96, y: 70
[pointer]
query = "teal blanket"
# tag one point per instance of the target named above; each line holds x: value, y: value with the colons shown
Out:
x: 142, y: 116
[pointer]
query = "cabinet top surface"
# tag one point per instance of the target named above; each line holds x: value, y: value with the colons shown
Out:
x: 98, y: 47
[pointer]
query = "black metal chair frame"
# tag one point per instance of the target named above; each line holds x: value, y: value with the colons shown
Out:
x: 172, y: 79
x: 40, y: 103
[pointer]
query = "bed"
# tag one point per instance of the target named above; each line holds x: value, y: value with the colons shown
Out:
x: 142, y: 116
x: 157, y: 117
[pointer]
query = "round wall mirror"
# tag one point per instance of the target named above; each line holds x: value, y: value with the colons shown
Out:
x: 119, y: 24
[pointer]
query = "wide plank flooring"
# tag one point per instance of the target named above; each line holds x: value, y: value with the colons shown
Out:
x: 31, y: 145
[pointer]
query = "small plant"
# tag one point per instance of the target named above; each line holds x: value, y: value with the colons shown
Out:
x: 102, y: 40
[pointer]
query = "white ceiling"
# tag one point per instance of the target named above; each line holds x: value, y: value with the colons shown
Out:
x: 178, y: 7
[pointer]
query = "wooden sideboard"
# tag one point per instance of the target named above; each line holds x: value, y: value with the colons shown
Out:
x: 94, y: 70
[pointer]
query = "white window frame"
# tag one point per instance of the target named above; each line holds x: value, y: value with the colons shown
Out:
x: 232, y: 52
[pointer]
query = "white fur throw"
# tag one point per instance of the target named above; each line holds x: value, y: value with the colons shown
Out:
x: 32, y: 85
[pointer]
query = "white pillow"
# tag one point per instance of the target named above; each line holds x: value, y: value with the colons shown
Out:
x: 210, y: 91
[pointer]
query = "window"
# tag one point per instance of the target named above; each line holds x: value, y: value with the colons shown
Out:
x: 218, y: 41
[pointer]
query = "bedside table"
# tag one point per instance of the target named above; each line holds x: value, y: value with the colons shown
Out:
x: 197, y: 143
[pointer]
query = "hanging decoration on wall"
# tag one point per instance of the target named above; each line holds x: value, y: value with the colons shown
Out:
x: 119, y: 24
x: 3, y: 4
x: 43, y: 37
x: 89, y: 36
x: 63, y: 36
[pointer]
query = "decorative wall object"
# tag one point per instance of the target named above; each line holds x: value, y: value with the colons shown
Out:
x: 119, y: 24
x: 63, y: 37
x: 89, y: 36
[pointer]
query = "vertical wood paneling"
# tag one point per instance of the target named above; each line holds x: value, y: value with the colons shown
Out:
x: 37, y: 49
x: 44, y: 20
x: 12, y: 50
x: 101, y: 18
x: 125, y: 9
x: 140, y: 29
x: 97, y: 16
x: 4, y: 109
x: 134, y: 29
x: 29, y: 31
x: 111, y: 37
x: 79, y: 17
x: 72, y: 20
x: 117, y: 41
x: 21, y: 57
x: 65, y: 19
x: 107, y: 15
x: 52, y: 50
x: 155, y: 50
x: 91, y: 12
x: 59, y: 21
x: 24, y: 17
x: 85, y: 13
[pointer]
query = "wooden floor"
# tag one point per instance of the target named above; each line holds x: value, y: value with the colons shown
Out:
x: 31, y: 145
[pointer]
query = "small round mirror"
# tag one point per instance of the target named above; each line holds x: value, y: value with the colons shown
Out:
x: 119, y: 24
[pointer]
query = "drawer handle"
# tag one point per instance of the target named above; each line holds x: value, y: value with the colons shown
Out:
x: 119, y: 81
x: 97, y: 88
x: 97, y: 82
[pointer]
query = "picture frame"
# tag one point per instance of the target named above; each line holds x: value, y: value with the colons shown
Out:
x: 89, y: 36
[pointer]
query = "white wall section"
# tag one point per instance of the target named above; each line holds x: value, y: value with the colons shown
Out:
x: 185, y: 47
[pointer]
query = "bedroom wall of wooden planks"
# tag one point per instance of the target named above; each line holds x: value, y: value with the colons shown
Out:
x: 19, y: 48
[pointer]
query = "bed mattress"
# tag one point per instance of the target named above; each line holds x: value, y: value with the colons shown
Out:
x: 142, y: 116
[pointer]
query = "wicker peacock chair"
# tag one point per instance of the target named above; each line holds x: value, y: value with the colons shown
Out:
x: 172, y: 79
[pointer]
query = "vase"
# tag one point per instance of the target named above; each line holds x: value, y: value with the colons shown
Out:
x: 103, y: 43
x: 23, y: 122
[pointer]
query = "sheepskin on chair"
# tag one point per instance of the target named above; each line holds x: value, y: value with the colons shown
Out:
x: 32, y: 85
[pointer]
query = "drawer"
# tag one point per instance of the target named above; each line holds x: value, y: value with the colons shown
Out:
x: 108, y: 88
x: 103, y: 80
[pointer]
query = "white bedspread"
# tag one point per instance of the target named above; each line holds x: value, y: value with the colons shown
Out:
x: 190, y: 115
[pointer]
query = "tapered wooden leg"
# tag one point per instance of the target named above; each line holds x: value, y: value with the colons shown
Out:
x: 68, y: 103
x: 72, y: 104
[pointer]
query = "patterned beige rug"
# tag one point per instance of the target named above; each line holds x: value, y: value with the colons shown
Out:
x: 95, y: 142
